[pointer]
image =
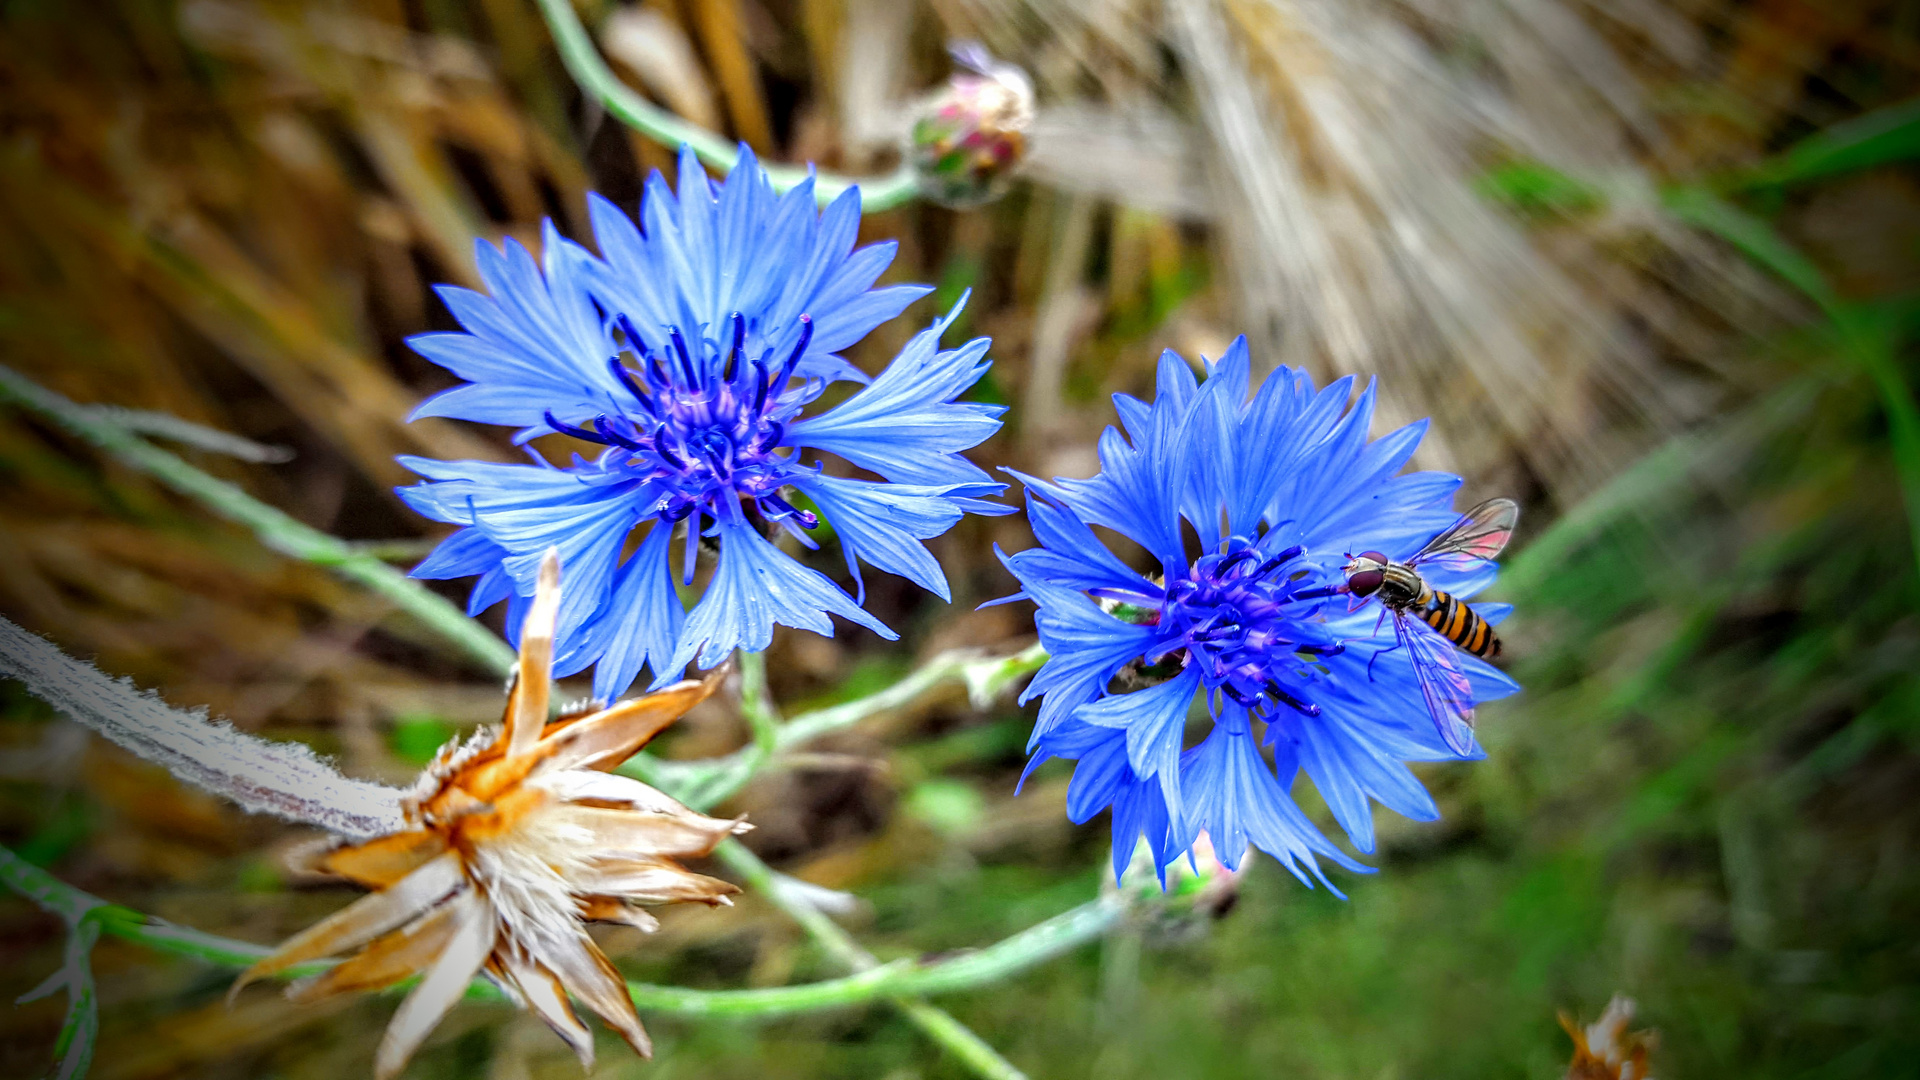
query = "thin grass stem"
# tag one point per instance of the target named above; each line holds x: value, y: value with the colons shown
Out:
x: 274, y: 528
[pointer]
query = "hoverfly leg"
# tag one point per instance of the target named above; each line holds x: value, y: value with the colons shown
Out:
x: 1378, y: 653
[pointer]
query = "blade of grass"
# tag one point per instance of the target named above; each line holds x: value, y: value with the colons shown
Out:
x: 274, y: 527
x: 1882, y: 137
x: 1866, y: 338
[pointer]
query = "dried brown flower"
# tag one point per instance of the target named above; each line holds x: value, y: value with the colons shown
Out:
x: 516, y: 839
x: 1605, y: 1049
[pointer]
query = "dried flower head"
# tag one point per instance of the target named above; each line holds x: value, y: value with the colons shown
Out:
x: 1605, y: 1049
x: 516, y: 839
x: 968, y: 137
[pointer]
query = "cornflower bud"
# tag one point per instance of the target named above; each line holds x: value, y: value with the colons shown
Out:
x: 968, y: 138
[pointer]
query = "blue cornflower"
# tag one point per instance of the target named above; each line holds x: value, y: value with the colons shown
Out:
x: 1250, y: 508
x: 689, y: 351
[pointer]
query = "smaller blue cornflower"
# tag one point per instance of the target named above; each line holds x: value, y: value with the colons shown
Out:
x: 1249, y: 510
x: 690, y: 352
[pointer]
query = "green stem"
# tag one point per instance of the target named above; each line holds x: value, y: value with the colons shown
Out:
x: 274, y: 528
x: 597, y: 80
x: 1035, y: 945
x: 938, y: 1024
x: 985, y: 678
x: 703, y: 784
x: 960, y: 1040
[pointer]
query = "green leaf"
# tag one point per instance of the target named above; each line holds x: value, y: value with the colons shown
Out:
x: 1534, y: 190
x: 1883, y: 137
x: 1700, y: 207
x: 950, y: 807
x: 416, y: 737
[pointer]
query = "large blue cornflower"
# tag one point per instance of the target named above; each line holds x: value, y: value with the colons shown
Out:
x: 1251, y: 509
x: 689, y: 351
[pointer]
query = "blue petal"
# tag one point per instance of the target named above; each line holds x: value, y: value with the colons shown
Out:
x: 1347, y: 770
x: 1237, y: 799
x: 1070, y: 555
x: 884, y: 523
x: 1085, y: 647
x: 1138, y: 810
x: 906, y: 425
x: 465, y: 553
x: 639, y: 624
x: 755, y: 586
x: 1155, y: 721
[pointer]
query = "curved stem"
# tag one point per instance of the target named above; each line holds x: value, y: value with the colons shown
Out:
x: 597, y: 80
x: 285, y: 779
x: 935, y: 1022
x: 905, y: 977
x: 274, y: 528
x: 703, y: 783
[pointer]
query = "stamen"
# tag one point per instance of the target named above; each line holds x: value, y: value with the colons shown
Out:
x: 1279, y: 560
x: 617, y: 437
x: 799, y: 350
x: 1291, y: 702
x: 1315, y: 594
x: 759, y: 386
x: 1235, y: 559
x: 1240, y: 697
x: 627, y: 379
x: 783, y: 508
x: 634, y: 341
x: 733, y: 349
x: 583, y: 434
x: 685, y: 358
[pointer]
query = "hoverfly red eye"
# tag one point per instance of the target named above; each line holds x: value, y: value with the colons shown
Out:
x: 1376, y: 557
x: 1366, y: 582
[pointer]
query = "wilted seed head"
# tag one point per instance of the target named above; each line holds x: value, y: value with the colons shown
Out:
x: 517, y: 838
x: 968, y: 137
x: 1605, y: 1049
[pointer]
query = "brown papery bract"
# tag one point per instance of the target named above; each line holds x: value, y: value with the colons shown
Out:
x: 517, y: 838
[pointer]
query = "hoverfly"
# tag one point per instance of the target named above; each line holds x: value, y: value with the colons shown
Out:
x: 1480, y: 534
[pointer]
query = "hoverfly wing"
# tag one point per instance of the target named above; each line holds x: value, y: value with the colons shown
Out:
x: 1480, y: 534
x: 1444, y: 687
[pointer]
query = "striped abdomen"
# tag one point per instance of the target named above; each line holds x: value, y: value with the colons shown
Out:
x: 1460, y: 624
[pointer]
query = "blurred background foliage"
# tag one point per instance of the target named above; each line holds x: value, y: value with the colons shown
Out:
x: 1651, y: 266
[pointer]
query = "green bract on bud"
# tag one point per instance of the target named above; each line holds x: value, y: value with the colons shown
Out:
x: 968, y: 137
x: 1184, y: 894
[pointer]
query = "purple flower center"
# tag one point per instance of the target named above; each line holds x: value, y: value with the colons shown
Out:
x: 1248, y: 620
x: 704, y: 428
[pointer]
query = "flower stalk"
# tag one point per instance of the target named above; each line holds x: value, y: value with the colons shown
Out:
x: 590, y: 71
x: 990, y: 964
x: 285, y: 780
